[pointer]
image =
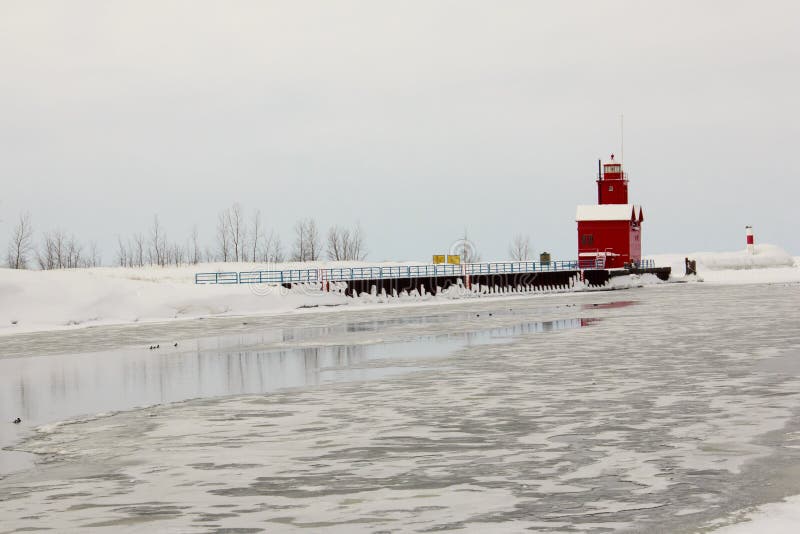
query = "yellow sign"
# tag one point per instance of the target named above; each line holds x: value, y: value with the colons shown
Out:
x: 438, y: 258
x: 454, y: 260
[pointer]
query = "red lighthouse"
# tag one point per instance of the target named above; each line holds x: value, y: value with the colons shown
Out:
x: 610, y: 233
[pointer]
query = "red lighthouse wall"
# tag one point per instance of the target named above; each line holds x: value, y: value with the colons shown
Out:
x: 620, y: 239
x: 636, y: 243
x: 612, y: 184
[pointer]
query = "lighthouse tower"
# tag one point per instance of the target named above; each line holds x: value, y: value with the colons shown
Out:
x: 612, y: 184
x: 610, y: 232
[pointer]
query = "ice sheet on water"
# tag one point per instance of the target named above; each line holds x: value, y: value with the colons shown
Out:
x: 650, y: 417
x: 775, y: 518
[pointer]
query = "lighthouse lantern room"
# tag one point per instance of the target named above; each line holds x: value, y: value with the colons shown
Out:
x: 610, y: 232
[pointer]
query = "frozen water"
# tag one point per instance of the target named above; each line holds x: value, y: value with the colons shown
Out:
x: 665, y: 415
x: 772, y: 518
x: 258, y: 359
x: 44, y: 389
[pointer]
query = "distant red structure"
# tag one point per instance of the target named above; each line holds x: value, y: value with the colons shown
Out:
x: 610, y: 233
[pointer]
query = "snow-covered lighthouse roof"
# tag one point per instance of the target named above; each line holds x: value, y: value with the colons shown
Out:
x: 610, y: 212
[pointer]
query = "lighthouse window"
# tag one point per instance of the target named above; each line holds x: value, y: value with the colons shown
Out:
x: 587, y: 239
x: 610, y: 187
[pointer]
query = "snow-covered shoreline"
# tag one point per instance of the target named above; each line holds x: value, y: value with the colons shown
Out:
x: 769, y: 264
x: 33, y: 301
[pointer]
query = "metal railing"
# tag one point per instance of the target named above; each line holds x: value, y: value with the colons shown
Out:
x: 400, y: 271
x: 592, y: 263
x: 507, y: 267
x: 291, y: 276
x: 216, y: 278
x: 645, y: 264
x: 344, y: 274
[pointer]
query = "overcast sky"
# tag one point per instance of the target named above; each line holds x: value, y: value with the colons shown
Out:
x: 417, y: 119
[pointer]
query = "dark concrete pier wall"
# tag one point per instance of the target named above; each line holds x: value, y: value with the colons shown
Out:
x: 490, y: 283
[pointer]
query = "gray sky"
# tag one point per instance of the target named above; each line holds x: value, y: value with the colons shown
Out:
x: 416, y: 118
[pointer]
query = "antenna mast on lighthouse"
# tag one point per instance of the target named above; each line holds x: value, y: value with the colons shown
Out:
x: 621, y: 139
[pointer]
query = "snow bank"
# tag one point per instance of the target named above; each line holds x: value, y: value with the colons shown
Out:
x: 32, y: 301
x: 775, y: 518
x: 770, y: 264
x: 61, y: 299
x: 765, y: 256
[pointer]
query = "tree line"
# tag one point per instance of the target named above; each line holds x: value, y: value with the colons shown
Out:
x: 239, y: 237
x: 57, y: 250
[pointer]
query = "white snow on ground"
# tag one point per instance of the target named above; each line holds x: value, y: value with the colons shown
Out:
x: 769, y: 264
x: 764, y: 256
x: 775, y: 518
x: 59, y: 299
x: 49, y: 300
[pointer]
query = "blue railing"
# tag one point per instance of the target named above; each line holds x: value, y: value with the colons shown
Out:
x: 399, y: 271
x: 344, y: 274
x: 519, y: 267
x: 292, y: 276
x: 216, y: 278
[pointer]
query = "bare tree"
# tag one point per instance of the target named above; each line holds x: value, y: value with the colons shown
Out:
x: 194, y: 246
x: 223, y: 236
x: 48, y: 255
x: 355, y: 249
x: 57, y: 242
x: 123, y: 249
x: 262, y: 246
x: 93, y: 259
x: 520, y: 248
x: 306, y: 244
x: 466, y: 249
x: 345, y: 244
x: 73, y: 253
x: 158, y: 244
x: 269, y: 248
x: 299, y: 253
x: 274, y: 248
x: 21, y: 243
x: 237, y: 230
x: 256, y: 235
x: 60, y: 251
x: 177, y: 254
x: 312, y: 233
x: 335, y: 245
x: 138, y: 250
